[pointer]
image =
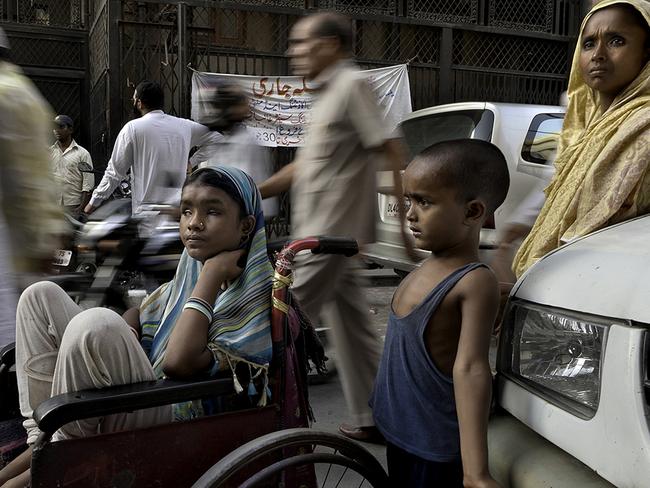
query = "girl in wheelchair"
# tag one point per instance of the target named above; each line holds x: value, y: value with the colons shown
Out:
x: 214, y: 314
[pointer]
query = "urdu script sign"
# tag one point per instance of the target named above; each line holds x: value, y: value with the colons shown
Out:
x: 280, y: 105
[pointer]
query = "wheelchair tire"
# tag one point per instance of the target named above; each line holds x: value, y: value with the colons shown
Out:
x: 348, y: 461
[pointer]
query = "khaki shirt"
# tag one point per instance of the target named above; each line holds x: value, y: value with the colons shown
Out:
x: 27, y: 202
x: 72, y: 182
x: 334, y: 190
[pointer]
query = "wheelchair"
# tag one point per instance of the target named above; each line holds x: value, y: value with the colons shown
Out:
x: 240, y: 446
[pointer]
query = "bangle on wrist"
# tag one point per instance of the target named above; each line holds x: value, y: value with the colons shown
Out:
x: 200, y: 306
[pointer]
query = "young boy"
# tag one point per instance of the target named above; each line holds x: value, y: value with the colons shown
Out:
x: 433, y: 388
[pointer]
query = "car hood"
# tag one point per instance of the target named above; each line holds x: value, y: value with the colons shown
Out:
x: 606, y: 273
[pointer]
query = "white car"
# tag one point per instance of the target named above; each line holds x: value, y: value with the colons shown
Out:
x: 573, y: 381
x: 526, y: 134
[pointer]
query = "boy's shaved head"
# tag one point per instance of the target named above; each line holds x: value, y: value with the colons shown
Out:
x: 475, y: 168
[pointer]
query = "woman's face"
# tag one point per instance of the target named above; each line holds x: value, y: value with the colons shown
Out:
x: 613, y: 51
x: 210, y: 222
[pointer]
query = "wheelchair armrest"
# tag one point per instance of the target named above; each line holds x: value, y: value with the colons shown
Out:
x: 57, y: 411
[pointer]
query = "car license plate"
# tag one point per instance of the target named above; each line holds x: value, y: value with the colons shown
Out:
x: 391, y: 207
x: 62, y: 258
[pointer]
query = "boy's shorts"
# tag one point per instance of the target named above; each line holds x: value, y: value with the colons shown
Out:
x: 408, y: 470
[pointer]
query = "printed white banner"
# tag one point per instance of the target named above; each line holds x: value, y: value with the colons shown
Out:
x: 280, y: 104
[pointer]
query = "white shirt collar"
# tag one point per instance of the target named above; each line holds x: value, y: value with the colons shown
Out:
x: 154, y: 112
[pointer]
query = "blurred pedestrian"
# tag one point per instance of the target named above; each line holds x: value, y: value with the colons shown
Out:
x: 333, y: 190
x: 155, y: 147
x: 231, y: 143
x: 30, y: 221
x: 72, y: 168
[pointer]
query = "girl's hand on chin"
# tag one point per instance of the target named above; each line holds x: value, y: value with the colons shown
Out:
x: 224, y: 265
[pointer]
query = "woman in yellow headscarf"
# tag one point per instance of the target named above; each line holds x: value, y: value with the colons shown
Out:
x: 602, y: 168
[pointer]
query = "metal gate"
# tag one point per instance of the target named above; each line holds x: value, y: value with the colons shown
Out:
x: 502, y: 50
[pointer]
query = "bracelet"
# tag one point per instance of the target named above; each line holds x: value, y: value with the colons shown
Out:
x: 200, y: 306
x: 200, y: 300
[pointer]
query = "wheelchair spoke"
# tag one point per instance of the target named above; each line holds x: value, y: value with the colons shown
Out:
x: 342, y: 476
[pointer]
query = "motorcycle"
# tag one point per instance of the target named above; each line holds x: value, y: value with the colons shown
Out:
x: 115, y: 265
x: 72, y: 258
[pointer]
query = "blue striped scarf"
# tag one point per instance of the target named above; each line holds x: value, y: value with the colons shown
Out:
x: 241, y: 325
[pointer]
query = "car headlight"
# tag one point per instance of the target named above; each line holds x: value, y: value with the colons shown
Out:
x: 559, y: 354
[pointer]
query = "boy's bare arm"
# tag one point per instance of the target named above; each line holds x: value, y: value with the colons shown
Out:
x: 472, y: 376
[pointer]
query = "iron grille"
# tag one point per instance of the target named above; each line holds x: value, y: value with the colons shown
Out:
x: 275, y: 3
x: 447, y: 11
x: 56, y: 13
x: 566, y: 21
x: 510, y: 53
x: 95, y: 8
x: 149, y: 44
x: 63, y: 95
x: 385, y: 41
x: 239, y: 29
x: 423, y: 81
x: 362, y: 7
x: 149, y: 52
x: 99, y: 140
x: 98, y: 46
x: 38, y: 51
x: 534, y: 15
x: 505, y: 87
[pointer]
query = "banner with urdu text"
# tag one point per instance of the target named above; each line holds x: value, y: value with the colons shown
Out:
x: 280, y: 104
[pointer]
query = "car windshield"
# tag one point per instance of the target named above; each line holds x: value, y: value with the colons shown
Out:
x: 422, y: 132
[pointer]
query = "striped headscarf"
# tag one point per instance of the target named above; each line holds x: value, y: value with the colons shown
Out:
x: 241, y: 324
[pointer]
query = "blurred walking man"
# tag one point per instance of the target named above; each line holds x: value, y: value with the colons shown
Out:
x: 333, y: 189
x: 72, y: 166
x: 30, y: 222
x: 155, y: 147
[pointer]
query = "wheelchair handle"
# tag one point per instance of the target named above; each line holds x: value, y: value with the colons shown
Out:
x: 345, y: 246
x: 336, y: 245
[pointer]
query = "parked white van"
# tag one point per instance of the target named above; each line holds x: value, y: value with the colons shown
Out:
x: 573, y: 368
x: 526, y: 134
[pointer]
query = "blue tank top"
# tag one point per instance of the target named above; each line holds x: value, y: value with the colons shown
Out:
x: 413, y: 401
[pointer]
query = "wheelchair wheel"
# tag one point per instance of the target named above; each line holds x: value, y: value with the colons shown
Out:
x: 297, y: 458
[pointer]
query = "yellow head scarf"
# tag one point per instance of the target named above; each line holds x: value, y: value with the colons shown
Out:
x: 601, y: 169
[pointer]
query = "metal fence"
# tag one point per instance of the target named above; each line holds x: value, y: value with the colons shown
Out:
x: 51, y: 13
x: 508, y: 42
x: 48, y: 40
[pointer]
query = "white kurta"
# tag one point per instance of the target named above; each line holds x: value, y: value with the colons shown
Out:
x: 156, y: 147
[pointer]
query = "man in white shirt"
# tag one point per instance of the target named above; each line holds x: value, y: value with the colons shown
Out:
x: 71, y: 166
x: 156, y: 147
